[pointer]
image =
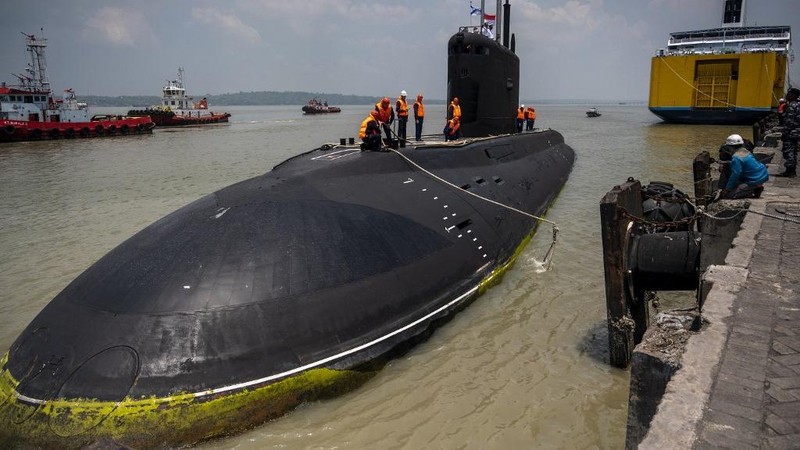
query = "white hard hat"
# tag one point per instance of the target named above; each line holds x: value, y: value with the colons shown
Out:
x: 402, y: 93
x: 734, y: 139
x: 522, y: 106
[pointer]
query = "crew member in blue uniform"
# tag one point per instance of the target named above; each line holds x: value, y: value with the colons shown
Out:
x: 791, y: 133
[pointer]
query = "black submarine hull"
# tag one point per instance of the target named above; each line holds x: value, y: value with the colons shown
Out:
x: 272, y: 291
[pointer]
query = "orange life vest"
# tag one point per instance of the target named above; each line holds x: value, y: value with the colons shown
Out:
x: 454, y: 126
x: 531, y: 114
x: 520, y: 114
x: 402, y: 110
x: 420, y: 109
x: 385, y: 113
x: 456, y: 110
x: 363, y: 133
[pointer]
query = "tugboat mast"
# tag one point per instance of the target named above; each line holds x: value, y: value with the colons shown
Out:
x: 37, y: 68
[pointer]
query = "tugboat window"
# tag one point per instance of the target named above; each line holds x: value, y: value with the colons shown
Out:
x: 28, y: 99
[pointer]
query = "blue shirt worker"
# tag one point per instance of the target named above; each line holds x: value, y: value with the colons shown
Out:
x: 747, y: 174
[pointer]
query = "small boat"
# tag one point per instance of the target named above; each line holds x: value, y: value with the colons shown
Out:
x: 29, y: 111
x: 178, y: 109
x: 315, y: 106
x: 593, y: 112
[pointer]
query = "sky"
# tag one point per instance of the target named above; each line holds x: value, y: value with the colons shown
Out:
x: 569, y: 49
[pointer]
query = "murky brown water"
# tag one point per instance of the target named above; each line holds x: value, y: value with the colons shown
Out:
x: 525, y: 366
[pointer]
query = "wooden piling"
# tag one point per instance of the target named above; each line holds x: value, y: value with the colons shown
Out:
x: 703, y: 182
x: 628, y: 315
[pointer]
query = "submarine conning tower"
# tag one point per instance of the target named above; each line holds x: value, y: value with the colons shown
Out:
x: 484, y: 75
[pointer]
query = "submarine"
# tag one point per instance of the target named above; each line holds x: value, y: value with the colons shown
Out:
x: 288, y: 287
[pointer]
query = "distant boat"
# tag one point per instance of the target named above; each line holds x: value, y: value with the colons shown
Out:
x: 178, y: 109
x: 315, y: 106
x: 30, y: 112
x: 593, y: 112
x: 729, y: 75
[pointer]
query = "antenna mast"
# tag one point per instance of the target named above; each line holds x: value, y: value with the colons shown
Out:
x: 38, y: 65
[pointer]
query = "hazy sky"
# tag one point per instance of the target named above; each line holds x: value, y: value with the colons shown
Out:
x: 569, y: 49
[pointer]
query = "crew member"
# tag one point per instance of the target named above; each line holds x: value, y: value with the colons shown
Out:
x: 454, y: 110
x: 401, y: 106
x: 520, y: 118
x: 791, y: 133
x: 419, y: 117
x: 530, y: 118
x: 451, y: 130
x: 370, y: 132
x: 781, y: 110
x: 747, y: 174
x: 386, y: 117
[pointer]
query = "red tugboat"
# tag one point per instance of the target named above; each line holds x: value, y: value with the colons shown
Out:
x: 29, y: 111
x: 177, y: 109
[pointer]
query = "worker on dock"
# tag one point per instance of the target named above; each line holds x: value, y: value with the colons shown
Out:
x: 747, y: 175
x: 520, y: 118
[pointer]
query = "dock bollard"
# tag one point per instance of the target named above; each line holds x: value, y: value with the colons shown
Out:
x: 351, y: 141
x: 342, y: 141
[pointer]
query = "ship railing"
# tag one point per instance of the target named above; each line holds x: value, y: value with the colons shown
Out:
x: 780, y: 37
x: 720, y: 50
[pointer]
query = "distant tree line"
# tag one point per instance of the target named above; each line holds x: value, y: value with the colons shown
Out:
x: 242, y: 99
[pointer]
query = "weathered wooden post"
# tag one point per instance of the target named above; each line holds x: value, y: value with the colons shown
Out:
x: 627, y: 318
x: 701, y: 168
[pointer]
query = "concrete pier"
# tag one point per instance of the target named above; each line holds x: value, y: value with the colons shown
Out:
x: 737, y: 382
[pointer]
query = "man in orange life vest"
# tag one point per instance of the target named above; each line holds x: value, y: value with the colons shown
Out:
x: 401, y: 106
x: 451, y: 130
x: 370, y: 132
x: 520, y: 118
x: 454, y: 110
x: 530, y: 118
x: 419, y: 117
x: 385, y: 117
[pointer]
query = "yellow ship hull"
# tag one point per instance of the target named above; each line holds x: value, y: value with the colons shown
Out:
x: 716, y: 88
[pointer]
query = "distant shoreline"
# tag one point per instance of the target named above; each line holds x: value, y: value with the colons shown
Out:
x: 272, y: 98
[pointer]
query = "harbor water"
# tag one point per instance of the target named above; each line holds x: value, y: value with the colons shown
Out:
x: 525, y: 366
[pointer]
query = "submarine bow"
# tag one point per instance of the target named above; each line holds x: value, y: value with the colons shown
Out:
x: 238, y: 306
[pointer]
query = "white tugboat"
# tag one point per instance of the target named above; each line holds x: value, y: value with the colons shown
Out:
x: 178, y: 109
x: 28, y: 110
